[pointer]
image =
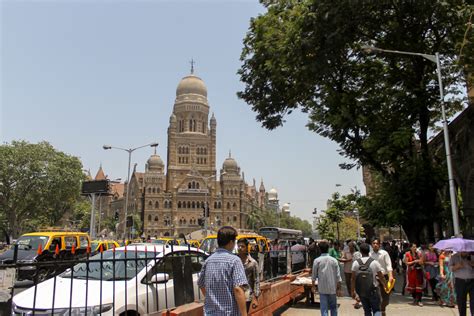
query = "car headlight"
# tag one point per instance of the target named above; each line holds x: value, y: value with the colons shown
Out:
x: 99, y: 309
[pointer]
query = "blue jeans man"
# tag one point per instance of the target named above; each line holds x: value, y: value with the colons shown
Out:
x: 328, y: 303
x: 371, y: 304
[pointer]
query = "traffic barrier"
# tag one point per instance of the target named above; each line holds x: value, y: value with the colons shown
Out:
x: 273, y: 296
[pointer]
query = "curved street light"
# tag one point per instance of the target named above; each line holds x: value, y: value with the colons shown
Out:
x: 129, y: 151
x: 452, y: 189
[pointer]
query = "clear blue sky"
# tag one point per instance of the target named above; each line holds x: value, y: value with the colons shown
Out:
x: 80, y: 74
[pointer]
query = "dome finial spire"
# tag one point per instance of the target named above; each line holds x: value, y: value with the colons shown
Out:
x: 155, y: 150
x: 230, y: 153
x: 192, y: 62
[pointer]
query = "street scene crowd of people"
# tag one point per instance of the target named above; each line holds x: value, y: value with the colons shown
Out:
x: 231, y: 284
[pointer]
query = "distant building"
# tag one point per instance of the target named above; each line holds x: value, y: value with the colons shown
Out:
x: 170, y: 199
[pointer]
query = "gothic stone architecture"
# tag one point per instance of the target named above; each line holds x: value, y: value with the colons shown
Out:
x: 171, y: 199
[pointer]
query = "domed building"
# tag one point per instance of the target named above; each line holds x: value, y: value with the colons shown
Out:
x: 171, y: 198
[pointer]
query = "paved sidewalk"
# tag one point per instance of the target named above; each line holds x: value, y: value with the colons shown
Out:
x: 399, y: 306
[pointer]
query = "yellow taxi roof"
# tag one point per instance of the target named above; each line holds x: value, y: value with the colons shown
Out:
x: 49, y: 233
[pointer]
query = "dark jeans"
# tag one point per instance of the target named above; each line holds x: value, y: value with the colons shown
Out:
x: 274, y: 266
x: 348, y: 277
x: 371, y: 304
x: 462, y: 288
x: 433, y: 283
x: 385, y: 297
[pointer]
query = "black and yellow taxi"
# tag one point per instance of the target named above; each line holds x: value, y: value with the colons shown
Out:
x: 45, y: 246
x: 106, y: 245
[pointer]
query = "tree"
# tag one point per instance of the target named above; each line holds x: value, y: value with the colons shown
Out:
x: 38, y: 185
x: 340, y: 210
x: 380, y: 109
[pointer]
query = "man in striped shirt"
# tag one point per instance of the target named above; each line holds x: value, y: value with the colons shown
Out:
x: 222, y: 280
x: 328, y: 275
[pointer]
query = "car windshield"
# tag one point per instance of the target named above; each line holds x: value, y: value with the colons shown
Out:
x: 32, y: 242
x: 209, y: 245
x: 126, y: 266
x: 158, y: 241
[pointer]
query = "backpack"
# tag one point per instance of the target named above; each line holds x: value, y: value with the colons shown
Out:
x: 364, y: 284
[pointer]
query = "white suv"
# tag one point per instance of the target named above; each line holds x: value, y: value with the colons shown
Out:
x: 146, y: 279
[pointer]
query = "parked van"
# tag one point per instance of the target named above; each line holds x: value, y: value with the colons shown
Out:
x: 41, y: 247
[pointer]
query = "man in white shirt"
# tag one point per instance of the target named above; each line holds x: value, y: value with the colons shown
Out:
x: 383, y: 258
x: 371, y: 302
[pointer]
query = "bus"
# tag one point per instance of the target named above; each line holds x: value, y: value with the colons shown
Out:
x: 280, y: 233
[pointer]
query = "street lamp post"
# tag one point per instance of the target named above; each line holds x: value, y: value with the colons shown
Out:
x: 452, y: 189
x: 129, y: 151
x: 356, y: 212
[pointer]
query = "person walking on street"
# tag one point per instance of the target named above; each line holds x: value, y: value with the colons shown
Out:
x: 431, y: 262
x: 327, y: 273
x: 462, y: 266
x: 251, y: 271
x: 222, y: 279
x: 365, y: 285
x: 414, y: 262
x: 445, y: 286
x: 382, y: 257
x: 297, y: 256
x: 274, y: 254
x: 348, y: 257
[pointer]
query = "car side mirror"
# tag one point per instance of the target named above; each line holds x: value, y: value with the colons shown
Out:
x: 160, y: 278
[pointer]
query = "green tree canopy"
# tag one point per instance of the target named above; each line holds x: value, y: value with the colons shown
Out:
x: 38, y: 184
x: 380, y: 108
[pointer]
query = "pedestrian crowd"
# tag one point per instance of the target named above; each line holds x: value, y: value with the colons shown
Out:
x: 370, y: 269
x: 231, y: 284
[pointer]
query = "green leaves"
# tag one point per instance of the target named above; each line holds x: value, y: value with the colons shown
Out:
x: 37, y: 185
x: 380, y: 108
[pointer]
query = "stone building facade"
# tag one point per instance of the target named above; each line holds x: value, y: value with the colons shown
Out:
x: 170, y: 199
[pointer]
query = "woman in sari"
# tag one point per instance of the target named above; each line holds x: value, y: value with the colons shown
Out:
x: 445, y: 286
x: 415, y: 280
x: 431, y: 262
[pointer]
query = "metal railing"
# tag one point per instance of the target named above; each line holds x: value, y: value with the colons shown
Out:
x: 124, y: 282
x: 110, y: 283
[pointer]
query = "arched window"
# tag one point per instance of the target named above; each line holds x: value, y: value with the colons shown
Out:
x: 179, y: 204
x: 227, y: 192
x: 149, y: 218
x: 154, y: 191
x: 205, y: 160
x: 184, y: 221
x: 228, y: 219
x: 189, y: 204
x: 156, y: 218
x: 203, y: 127
x: 149, y: 190
x: 235, y: 191
x: 150, y: 203
x: 228, y: 205
x: 197, y: 185
x: 158, y: 190
x: 215, y: 204
x: 170, y: 204
x: 235, y: 205
x: 193, y: 204
x: 180, y: 222
x: 157, y: 204
x: 235, y: 218
x: 202, y: 204
x: 189, y: 185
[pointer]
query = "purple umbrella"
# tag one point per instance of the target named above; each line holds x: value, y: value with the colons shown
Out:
x: 455, y: 244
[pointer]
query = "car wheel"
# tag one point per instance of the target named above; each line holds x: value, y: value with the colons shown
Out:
x: 41, y: 275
